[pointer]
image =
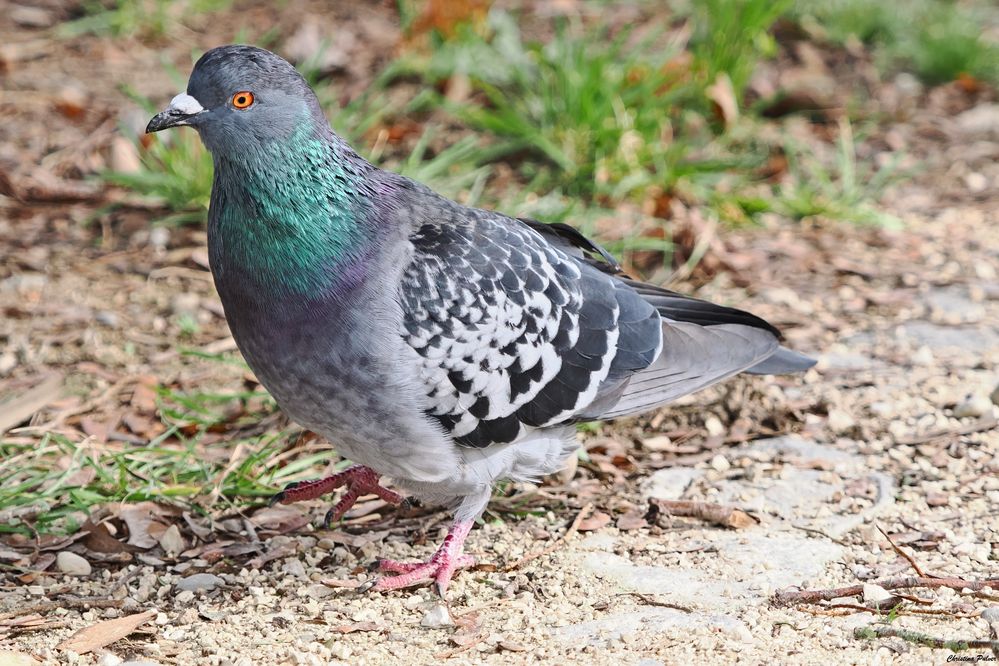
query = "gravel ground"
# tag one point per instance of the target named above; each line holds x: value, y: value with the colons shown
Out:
x: 894, y: 429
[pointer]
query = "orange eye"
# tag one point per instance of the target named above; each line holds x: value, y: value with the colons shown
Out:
x: 242, y: 100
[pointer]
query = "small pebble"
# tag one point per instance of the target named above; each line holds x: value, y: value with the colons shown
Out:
x: 937, y: 499
x: 8, y: 361
x: 973, y: 406
x: 923, y: 356
x: 109, y: 659
x: 436, y: 618
x: 720, y: 463
x: 72, y: 563
x: 874, y: 592
x: 840, y: 421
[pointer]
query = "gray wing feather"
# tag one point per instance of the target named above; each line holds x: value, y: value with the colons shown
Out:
x: 693, y: 357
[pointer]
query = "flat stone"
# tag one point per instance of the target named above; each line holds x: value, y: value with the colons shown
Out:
x: 966, y: 339
x: 670, y: 483
x: 954, y: 306
x: 199, y: 582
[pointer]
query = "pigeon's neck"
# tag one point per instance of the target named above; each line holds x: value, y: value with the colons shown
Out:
x: 291, y: 217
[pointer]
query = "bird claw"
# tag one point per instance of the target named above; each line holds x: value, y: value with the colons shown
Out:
x: 438, y: 569
x: 279, y: 497
x: 358, y: 479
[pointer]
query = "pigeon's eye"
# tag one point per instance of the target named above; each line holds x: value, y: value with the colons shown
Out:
x: 242, y: 100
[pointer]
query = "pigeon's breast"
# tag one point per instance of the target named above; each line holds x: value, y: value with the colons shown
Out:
x: 332, y: 367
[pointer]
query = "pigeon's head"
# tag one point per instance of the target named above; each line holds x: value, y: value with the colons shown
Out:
x: 239, y: 96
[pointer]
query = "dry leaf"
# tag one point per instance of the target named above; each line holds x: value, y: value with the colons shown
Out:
x: 172, y: 542
x: 722, y: 94
x: 102, y: 634
x: 100, y: 540
x: 357, y: 626
x: 24, y: 406
x: 280, y: 518
x: 632, y: 520
x: 140, y: 521
x: 144, y: 394
x: 594, y: 522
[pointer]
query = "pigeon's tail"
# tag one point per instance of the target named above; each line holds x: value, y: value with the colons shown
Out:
x: 693, y: 357
x: 783, y: 362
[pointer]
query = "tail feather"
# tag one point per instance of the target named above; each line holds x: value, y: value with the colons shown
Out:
x: 693, y: 357
x: 783, y: 362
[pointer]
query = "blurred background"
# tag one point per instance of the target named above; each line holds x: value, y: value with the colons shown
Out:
x: 828, y: 164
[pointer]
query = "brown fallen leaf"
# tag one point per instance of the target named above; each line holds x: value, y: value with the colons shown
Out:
x: 357, y: 626
x: 100, y: 539
x: 279, y: 519
x: 722, y: 94
x: 24, y: 406
x: 633, y: 520
x: 598, y: 520
x: 102, y: 634
x: 142, y: 525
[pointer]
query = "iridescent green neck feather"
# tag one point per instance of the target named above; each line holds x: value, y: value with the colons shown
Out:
x: 291, y: 215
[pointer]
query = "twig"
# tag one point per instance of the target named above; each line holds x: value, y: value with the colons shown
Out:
x: 873, y: 632
x: 884, y: 609
x: 649, y: 600
x: 908, y: 558
x: 720, y: 514
x: 585, y: 511
x: 812, y: 530
x: 79, y: 602
x: 790, y: 596
x: 981, y: 425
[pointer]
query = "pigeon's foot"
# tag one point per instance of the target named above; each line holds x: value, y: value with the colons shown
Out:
x: 359, y: 480
x: 439, y: 568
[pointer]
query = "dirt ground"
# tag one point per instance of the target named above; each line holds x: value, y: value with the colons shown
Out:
x: 893, y: 430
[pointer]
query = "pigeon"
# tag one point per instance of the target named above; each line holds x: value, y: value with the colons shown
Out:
x: 442, y: 346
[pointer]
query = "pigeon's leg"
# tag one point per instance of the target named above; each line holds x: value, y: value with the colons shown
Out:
x: 439, y: 568
x: 359, y: 480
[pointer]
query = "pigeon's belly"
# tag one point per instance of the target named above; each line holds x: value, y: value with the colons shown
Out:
x: 333, y: 379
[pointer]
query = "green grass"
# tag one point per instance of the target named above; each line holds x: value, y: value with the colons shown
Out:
x: 839, y: 189
x: 938, y: 40
x: 144, y: 18
x: 60, y: 480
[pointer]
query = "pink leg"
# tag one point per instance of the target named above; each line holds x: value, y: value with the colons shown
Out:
x: 439, y: 568
x: 360, y: 480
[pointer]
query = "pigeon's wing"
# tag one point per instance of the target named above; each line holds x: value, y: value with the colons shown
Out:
x: 511, y: 332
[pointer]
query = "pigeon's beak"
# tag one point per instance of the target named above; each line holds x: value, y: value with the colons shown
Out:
x: 182, y: 108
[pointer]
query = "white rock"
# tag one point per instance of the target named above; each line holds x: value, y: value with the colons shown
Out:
x: 714, y: 426
x: 923, y: 356
x: 720, y: 463
x: 874, y: 592
x: 671, y: 482
x: 437, y: 617
x: 72, y: 563
x: 976, y: 182
x: 366, y: 614
x: 108, y: 659
x: 973, y: 406
x: 840, y: 421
